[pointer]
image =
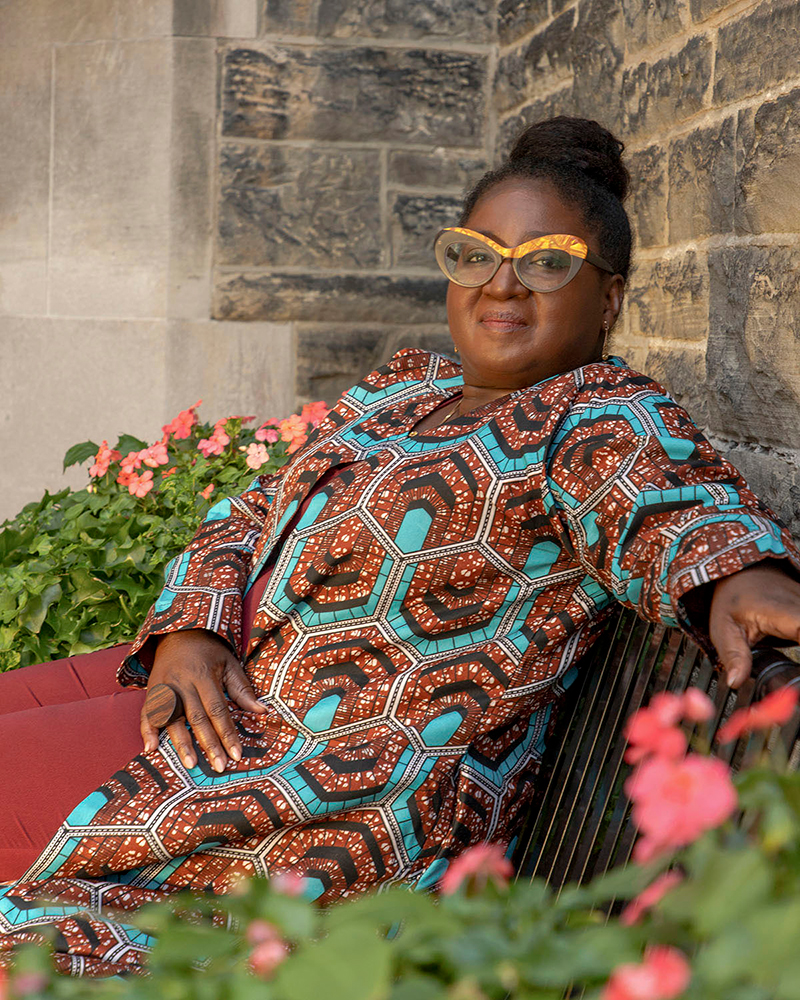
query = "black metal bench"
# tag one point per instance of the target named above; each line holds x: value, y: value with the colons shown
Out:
x: 580, y: 824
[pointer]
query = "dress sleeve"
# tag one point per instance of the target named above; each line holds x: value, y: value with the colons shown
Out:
x: 648, y: 506
x: 204, y: 585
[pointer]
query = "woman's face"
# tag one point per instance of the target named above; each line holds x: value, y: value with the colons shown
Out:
x: 509, y: 337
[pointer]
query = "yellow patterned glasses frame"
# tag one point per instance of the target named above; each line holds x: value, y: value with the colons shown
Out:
x: 544, y: 264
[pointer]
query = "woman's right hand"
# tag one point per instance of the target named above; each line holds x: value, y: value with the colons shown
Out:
x: 199, y: 666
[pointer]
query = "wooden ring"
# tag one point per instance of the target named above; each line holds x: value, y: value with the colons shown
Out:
x: 162, y: 706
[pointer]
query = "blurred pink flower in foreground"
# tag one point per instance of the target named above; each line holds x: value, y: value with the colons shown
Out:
x: 662, y: 975
x: 653, y: 730
x: 653, y: 894
x: 257, y: 455
x: 289, y: 883
x: 104, y: 457
x: 774, y: 710
x: 675, y: 801
x: 270, y: 948
x: 181, y: 426
x: 26, y: 983
x: 477, y: 865
x: 206, y: 493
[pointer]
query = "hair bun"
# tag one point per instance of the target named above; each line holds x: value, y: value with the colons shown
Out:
x: 579, y: 144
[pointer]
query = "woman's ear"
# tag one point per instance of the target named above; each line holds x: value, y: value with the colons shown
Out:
x: 615, y: 294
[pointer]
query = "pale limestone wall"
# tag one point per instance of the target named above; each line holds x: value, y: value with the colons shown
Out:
x: 107, y: 208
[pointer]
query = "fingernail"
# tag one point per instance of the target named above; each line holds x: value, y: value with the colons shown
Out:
x: 236, y: 753
x: 218, y: 764
x: 189, y: 761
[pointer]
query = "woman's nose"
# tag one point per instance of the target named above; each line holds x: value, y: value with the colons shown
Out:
x: 505, y: 284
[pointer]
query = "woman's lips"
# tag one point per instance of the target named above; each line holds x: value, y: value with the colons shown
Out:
x: 503, y: 322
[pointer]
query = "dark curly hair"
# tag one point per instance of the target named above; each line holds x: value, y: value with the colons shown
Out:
x: 583, y: 162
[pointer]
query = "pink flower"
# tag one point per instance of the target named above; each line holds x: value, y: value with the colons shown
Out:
x: 140, y: 486
x: 104, y: 457
x: 653, y: 730
x: 293, y: 430
x: 774, y: 710
x: 169, y: 472
x: 25, y: 983
x: 667, y: 707
x: 214, y: 445
x: 256, y: 456
x: 133, y: 460
x: 697, y: 706
x: 653, y: 894
x: 206, y: 493
x: 125, y: 477
x: 181, y: 426
x: 648, y: 732
x: 314, y: 413
x: 662, y: 975
x: 270, y: 949
x: 155, y: 455
x: 290, y: 883
x: 478, y: 865
x: 675, y: 801
x: 268, y: 434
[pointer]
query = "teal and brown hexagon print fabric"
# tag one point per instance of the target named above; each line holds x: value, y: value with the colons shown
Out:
x: 428, y: 598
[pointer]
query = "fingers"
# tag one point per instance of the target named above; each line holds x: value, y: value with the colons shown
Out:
x: 209, y: 717
x: 148, y: 731
x: 240, y: 689
x: 733, y: 648
x: 198, y: 667
x: 747, y: 606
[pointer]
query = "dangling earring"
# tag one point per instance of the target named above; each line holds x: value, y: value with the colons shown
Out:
x: 605, y: 355
x: 455, y: 348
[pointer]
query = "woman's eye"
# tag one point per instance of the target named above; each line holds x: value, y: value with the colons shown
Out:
x: 547, y: 261
x: 476, y: 256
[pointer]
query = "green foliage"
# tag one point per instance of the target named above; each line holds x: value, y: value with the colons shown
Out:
x: 80, y: 569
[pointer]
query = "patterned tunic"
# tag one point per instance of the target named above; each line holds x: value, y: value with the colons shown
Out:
x: 424, y: 613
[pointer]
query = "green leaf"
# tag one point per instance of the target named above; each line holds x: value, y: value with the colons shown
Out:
x: 418, y: 988
x: 127, y: 442
x: 33, y: 614
x: 349, y: 964
x: 731, y: 883
x: 80, y: 452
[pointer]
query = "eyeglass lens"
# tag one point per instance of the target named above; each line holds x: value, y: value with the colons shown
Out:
x: 470, y: 262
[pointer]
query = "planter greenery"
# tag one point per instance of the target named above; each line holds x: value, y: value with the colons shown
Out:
x: 79, y: 569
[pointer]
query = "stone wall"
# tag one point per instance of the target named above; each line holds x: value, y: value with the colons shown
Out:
x: 235, y: 199
x: 706, y: 95
x: 348, y: 133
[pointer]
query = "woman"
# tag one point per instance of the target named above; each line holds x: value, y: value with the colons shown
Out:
x: 432, y: 563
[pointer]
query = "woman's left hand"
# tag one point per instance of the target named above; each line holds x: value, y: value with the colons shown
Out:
x: 748, y: 606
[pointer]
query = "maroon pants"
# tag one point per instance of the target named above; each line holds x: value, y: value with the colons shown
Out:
x: 65, y: 727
